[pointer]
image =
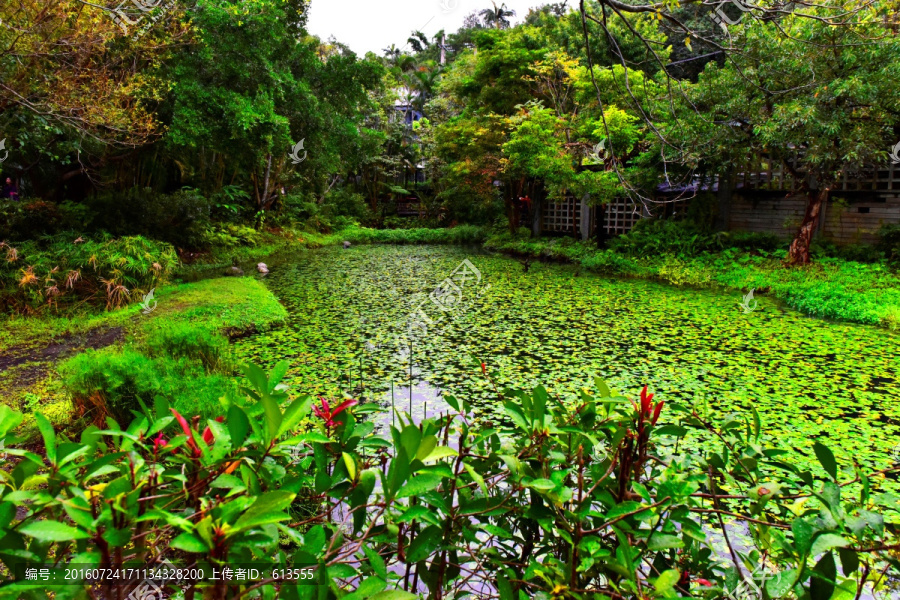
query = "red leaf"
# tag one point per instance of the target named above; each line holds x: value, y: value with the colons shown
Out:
x: 646, y: 401
x: 187, y: 431
x: 657, y: 411
x: 343, y: 406
x: 208, y: 434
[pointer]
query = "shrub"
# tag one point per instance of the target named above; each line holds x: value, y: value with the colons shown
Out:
x: 652, y: 237
x: 179, y: 218
x: 889, y: 242
x: 188, y: 340
x: 230, y: 236
x: 114, y: 382
x: 110, y: 382
x: 597, y: 495
x: 116, y: 271
x: 752, y: 240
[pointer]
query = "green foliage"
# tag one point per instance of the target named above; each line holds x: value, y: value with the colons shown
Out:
x: 653, y: 237
x: 180, y: 218
x: 558, y: 496
x: 189, y: 340
x: 679, y: 253
x: 462, y: 234
x: 889, y: 243
x: 230, y: 235
x: 59, y: 269
x: 114, y: 382
x: 110, y: 382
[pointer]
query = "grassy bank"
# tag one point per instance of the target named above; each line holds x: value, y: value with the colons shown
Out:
x: 833, y: 288
x: 271, y: 243
x: 124, y: 357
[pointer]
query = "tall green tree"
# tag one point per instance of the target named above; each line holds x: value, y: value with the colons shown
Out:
x: 801, y: 88
x: 255, y: 86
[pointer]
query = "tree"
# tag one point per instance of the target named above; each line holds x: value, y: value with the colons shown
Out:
x: 801, y: 89
x: 498, y: 16
x: 251, y: 90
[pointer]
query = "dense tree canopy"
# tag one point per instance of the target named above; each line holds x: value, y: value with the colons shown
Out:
x: 607, y: 98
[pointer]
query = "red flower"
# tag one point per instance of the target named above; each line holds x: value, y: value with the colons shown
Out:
x: 158, y: 442
x: 208, y: 438
x: 208, y: 434
x: 647, y: 408
x: 483, y: 369
x: 704, y: 582
x: 646, y: 401
x: 326, y: 414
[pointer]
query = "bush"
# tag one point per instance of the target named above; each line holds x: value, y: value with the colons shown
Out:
x: 110, y: 382
x: 23, y: 220
x: 230, y: 236
x: 116, y: 271
x: 114, y: 382
x: 180, y: 218
x: 752, y: 240
x: 889, y: 242
x: 599, y: 495
x: 189, y: 340
x: 652, y: 237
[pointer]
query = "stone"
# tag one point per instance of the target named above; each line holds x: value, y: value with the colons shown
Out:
x: 262, y: 268
x: 346, y: 245
x: 234, y: 272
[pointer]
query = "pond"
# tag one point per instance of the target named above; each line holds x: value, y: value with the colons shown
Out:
x: 349, y: 333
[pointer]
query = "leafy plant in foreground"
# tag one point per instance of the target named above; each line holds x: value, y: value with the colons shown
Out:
x: 567, y: 501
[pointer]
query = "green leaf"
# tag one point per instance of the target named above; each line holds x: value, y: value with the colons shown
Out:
x: 49, y: 436
x: 803, y: 533
x: 189, y: 542
x: 376, y: 562
x: 350, y: 463
x: 52, y: 531
x: 662, y: 541
x: 424, y: 482
x: 826, y: 459
x: 626, y: 507
x: 424, y: 544
x: 393, y: 595
x: 781, y: 583
x: 238, y: 425
x: 666, y: 580
x: 542, y: 485
x: 827, y: 541
x: 476, y: 478
x: 295, y: 413
x: 821, y: 585
x: 505, y: 588
x: 273, y: 418
x: 849, y: 561
x: 266, y: 509
x: 439, y: 453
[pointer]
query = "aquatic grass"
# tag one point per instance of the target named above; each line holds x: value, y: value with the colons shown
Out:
x: 831, y: 288
x: 560, y: 325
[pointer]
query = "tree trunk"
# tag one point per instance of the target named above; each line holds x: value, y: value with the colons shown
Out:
x: 264, y: 201
x: 799, y: 251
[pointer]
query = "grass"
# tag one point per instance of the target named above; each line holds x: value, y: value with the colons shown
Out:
x: 833, y: 288
x: 285, y: 240
x: 177, y: 350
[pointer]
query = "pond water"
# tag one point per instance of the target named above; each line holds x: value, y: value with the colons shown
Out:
x: 349, y: 333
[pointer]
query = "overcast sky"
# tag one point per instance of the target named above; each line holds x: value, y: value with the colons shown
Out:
x: 370, y: 25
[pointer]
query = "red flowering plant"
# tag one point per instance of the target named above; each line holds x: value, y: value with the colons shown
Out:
x: 636, y: 445
x: 328, y: 415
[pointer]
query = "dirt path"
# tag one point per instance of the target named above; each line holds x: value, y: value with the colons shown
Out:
x: 30, y: 365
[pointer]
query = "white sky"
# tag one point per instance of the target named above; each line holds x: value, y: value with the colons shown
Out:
x: 371, y: 25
